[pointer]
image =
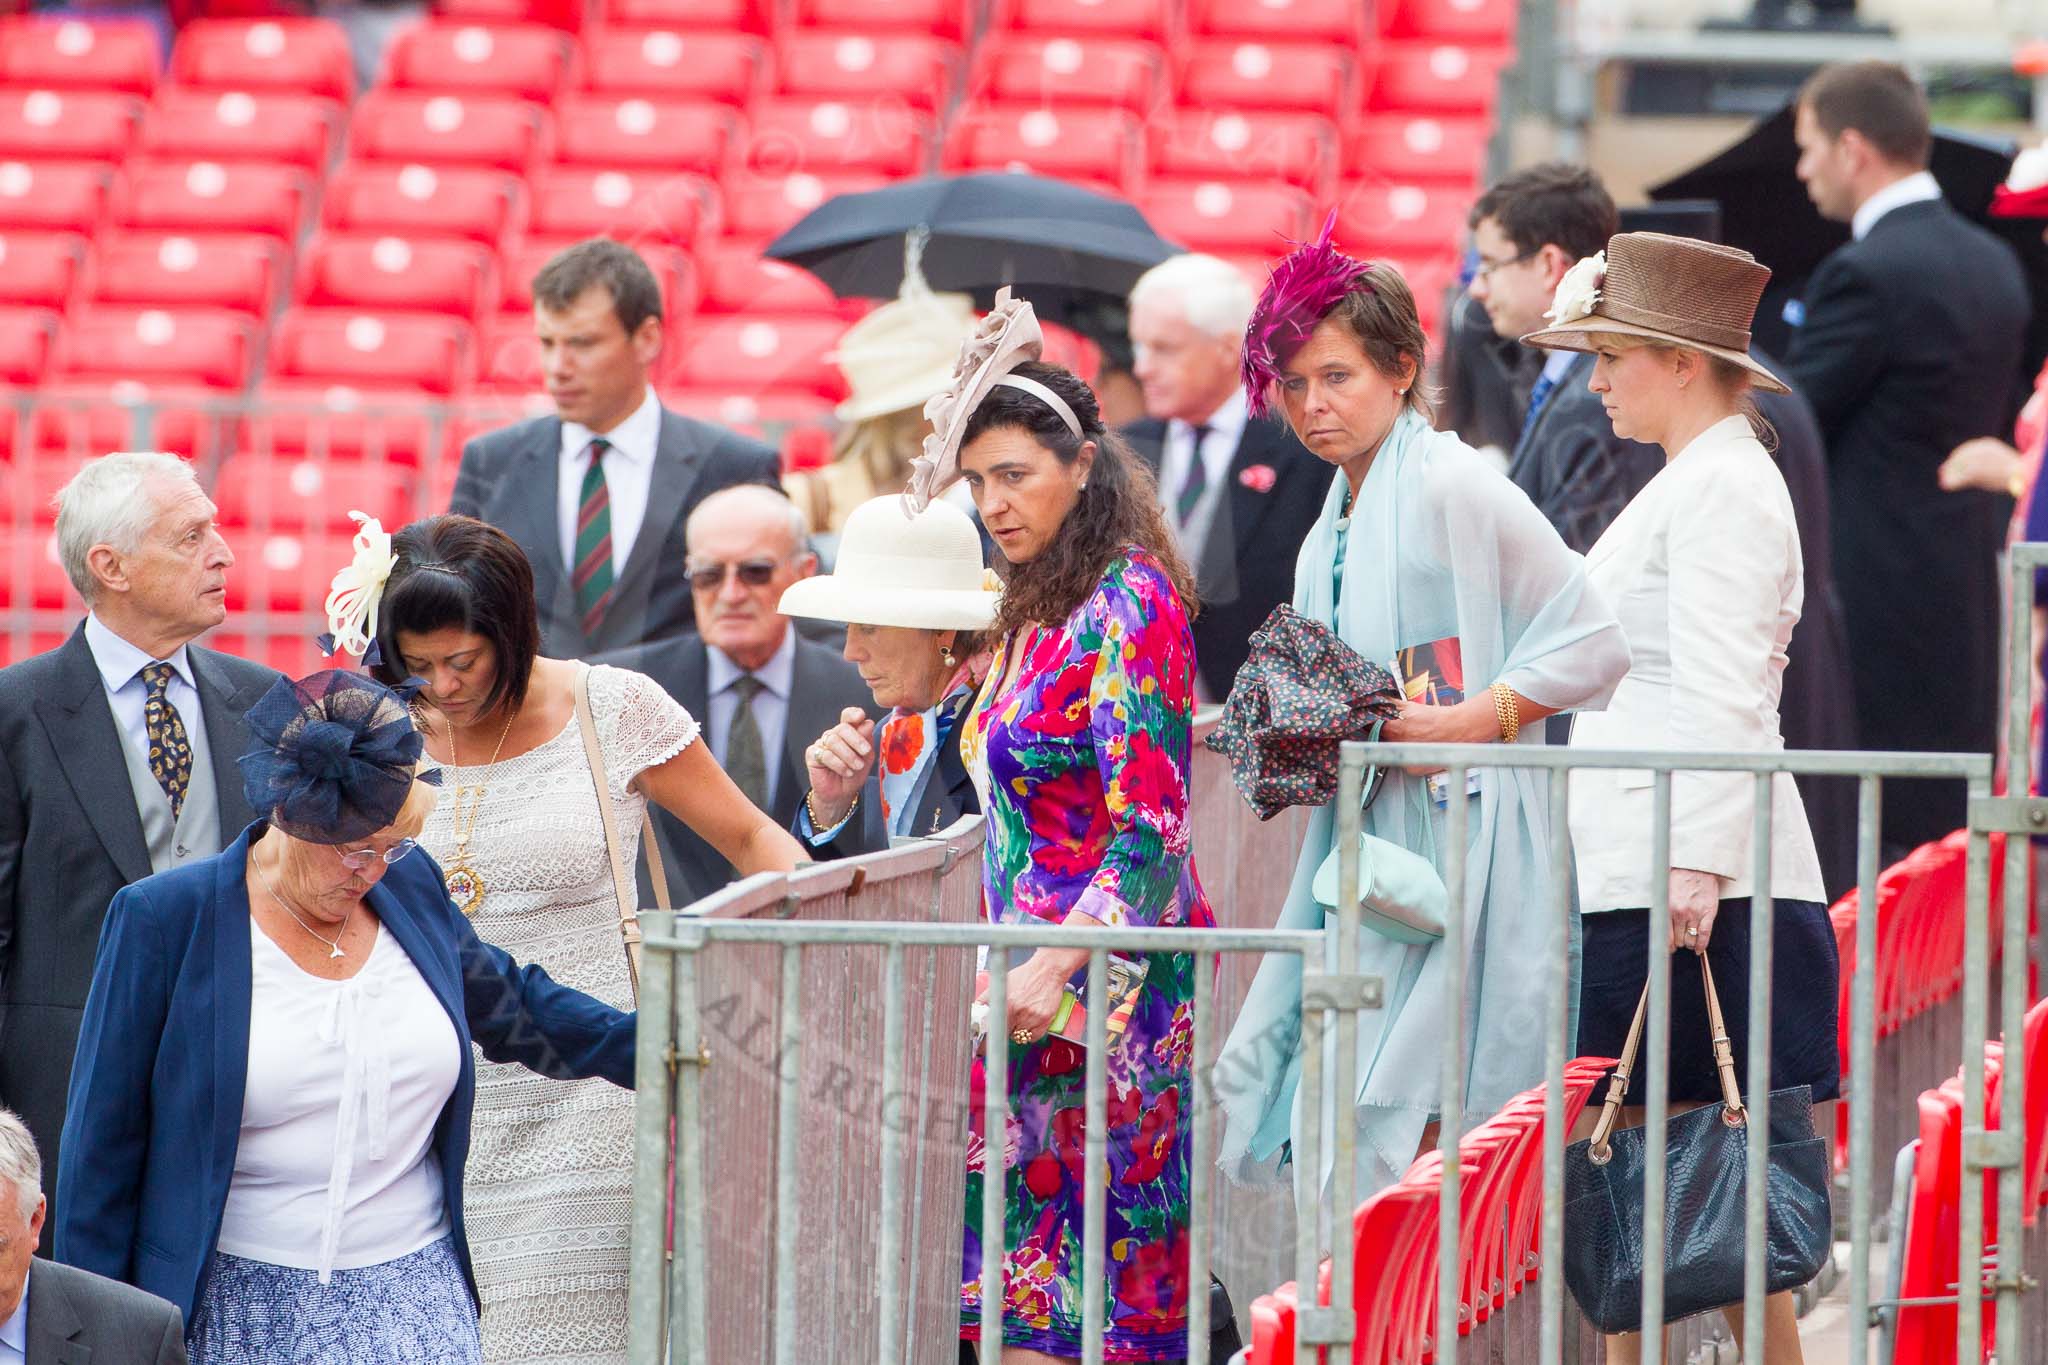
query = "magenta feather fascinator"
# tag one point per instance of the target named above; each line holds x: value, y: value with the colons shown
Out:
x: 1299, y: 294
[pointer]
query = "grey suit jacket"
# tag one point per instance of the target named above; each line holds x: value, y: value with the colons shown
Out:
x: 822, y: 686
x: 510, y: 478
x: 70, y: 837
x: 78, y: 1318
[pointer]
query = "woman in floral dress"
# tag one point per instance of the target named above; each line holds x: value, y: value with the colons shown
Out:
x: 1080, y: 739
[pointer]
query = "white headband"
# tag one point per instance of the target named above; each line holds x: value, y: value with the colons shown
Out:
x: 1043, y: 394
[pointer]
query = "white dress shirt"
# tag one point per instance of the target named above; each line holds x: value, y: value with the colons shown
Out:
x: 121, y: 664
x: 1177, y: 453
x: 1916, y: 188
x: 771, y: 703
x: 628, y: 474
x: 14, y: 1331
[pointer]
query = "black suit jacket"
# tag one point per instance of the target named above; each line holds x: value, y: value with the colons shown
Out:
x: 822, y: 685
x: 1572, y: 465
x: 1911, y: 344
x: 948, y: 796
x: 78, y: 1318
x: 1248, y: 560
x: 70, y: 837
x: 510, y: 479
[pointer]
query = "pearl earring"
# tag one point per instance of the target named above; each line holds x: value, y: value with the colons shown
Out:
x: 946, y: 656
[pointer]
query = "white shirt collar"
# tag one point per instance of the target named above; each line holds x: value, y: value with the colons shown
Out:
x: 14, y: 1331
x: 1557, y: 362
x: 1916, y: 188
x: 779, y: 673
x: 633, y: 440
x: 1228, y: 420
x: 119, y: 661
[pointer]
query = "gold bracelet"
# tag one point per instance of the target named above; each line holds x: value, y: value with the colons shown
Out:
x: 1506, y: 711
x: 818, y: 826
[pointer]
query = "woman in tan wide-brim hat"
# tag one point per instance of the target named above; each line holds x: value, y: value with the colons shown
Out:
x: 1704, y: 569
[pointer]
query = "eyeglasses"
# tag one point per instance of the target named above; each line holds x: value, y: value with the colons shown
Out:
x: 752, y: 573
x: 1485, y: 268
x: 356, y: 859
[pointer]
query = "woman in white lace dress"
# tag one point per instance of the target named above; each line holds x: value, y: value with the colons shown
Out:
x: 518, y: 834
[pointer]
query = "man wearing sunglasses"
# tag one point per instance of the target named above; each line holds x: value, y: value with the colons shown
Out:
x: 761, y: 690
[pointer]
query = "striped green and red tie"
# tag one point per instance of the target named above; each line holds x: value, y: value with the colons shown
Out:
x: 592, y: 575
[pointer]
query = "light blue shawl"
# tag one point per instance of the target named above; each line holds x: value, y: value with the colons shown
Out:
x: 1439, y: 544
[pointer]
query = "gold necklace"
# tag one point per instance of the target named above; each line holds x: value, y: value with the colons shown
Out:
x: 334, y: 944
x: 465, y: 884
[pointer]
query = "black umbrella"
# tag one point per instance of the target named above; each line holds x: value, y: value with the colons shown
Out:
x: 1064, y: 248
x: 1765, y: 211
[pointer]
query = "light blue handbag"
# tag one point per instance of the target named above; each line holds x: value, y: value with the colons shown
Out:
x: 1400, y: 894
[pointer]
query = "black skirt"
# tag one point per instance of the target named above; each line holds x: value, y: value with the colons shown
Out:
x: 1803, y: 999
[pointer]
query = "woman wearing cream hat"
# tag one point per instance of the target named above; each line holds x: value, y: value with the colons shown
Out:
x: 893, y: 359
x: 916, y: 602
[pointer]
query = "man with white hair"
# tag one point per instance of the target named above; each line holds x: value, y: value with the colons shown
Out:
x: 119, y: 751
x: 1239, y: 492
x: 58, y: 1314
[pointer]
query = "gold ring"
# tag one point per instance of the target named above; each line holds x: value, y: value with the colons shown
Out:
x: 1022, y: 1037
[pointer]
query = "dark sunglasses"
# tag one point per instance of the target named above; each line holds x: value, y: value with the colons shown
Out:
x: 753, y: 573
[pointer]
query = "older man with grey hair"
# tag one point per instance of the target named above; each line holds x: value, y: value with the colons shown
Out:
x: 1239, y: 492
x: 58, y: 1314
x: 119, y: 751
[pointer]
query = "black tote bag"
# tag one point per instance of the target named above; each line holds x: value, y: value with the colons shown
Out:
x: 1705, y: 1180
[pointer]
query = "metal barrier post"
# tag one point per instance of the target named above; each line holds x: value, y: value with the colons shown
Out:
x: 689, y: 1320
x: 1976, y: 986
x: 1863, y: 1064
x: 1657, y: 1072
x: 654, y: 1083
x: 1094, y: 1194
x: 1343, y: 1092
x: 1762, y: 943
x: 1198, y: 1172
x: 890, y: 1345
x: 1451, y: 1101
x: 1558, y: 1050
x: 788, y: 1124
x: 995, y: 1125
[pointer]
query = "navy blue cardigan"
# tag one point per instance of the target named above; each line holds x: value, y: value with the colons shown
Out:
x: 155, y: 1110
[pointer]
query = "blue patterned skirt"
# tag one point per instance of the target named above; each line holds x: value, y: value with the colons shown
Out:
x: 415, y: 1310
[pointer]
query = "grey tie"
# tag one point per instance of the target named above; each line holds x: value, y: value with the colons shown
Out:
x: 745, y: 761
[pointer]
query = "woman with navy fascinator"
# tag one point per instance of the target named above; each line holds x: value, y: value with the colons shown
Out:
x: 269, y: 1113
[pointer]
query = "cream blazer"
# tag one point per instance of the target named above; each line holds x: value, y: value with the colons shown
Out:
x: 1703, y: 569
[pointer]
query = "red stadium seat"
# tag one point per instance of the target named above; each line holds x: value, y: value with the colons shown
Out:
x: 760, y: 207
x: 835, y: 135
x: 1064, y: 73
x: 1299, y: 149
x: 307, y: 56
x: 289, y: 650
x: 494, y: 131
x: 1396, y: 220
x: 1151, y: 20
x: 75, y: 54
x: 759, y: 352
x: 372, y: 350
x: 739, y: 279
x: 448, y: 201
x: 397, y: 274
x: 53, y: 196
x: 67, y: 125
x: 673, y: 271
x: 211, y: 196
x: 204, y: 348
x: 952, y: 20
x: 1339, y: 22
x: 1243, y: 74
x: 525, y: 61
x: 916, y: 68
x: 667, y: 64
x: 31, y: 576
x: 1484, y: 21
x: 1417, y: 147
x: 235, y: 271
x: 1434, y: 77
x: 509, y: 357
x: 693, y: 16
x: 669, y: 135
x: 37, y: 269
x: 79, y: 420
x: 566, y: 15
x: 234, y: 125
x: 632, y: 205
x: 329, y: 420
x: 1222, y: 217
x: 25, y: 343
x: 311, y: 494
x: 747, y: 411
x: 285, y: 571
x: 1080, y: 144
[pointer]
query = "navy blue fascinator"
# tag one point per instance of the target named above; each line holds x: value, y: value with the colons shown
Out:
x: 336, y: 756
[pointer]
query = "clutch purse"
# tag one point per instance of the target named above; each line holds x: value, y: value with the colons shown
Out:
x: 1400, y: 894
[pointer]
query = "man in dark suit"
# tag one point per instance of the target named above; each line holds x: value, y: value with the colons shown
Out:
x: 1910, y: 343
x: 761, y: 691
x: 120, y: 752
x: 1240, y: 493
x: 597, y: 494
x: 57, y: 1314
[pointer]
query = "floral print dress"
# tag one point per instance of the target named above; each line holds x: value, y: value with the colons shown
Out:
x: 1085, y: 756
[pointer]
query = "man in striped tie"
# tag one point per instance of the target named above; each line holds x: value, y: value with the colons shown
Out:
x: 597, y: 494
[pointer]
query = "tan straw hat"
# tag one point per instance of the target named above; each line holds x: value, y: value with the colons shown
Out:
x: 1677, y: 290
x: 896, y: 568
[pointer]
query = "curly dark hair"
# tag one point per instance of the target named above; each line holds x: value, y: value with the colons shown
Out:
x: 1118, y: 508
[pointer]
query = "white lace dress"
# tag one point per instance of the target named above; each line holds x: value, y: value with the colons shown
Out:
x: 551, y: 1162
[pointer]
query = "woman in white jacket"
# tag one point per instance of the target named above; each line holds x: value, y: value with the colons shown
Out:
x: 1703, y: 568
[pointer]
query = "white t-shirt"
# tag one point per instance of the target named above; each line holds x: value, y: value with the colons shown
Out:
x: 347, y: 1080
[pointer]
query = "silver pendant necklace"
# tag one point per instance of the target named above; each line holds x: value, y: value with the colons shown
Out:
x: 334, y: 944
